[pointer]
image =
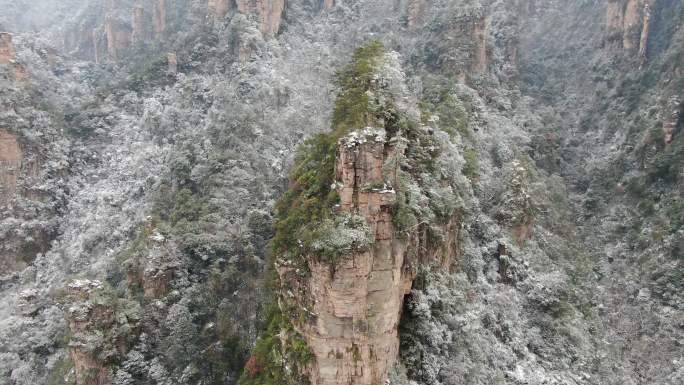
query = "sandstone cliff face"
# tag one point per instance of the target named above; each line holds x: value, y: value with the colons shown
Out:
x: 630, y: 22
x: 10, y: 164
x: 479, y: 34
x: 671, y: 121
x: 102, y: 328
x: 6, y: 48
x: 138, y: 24
x: 220, y: 7
x: 172, y: 61
x: 10, y: 167
x: 416, y: 13
x: 86, y: 318
x: 268, y: 13
x: 354, y: 307
x: 645, y: 31
x: 159, y: 18
x: 118, y: 37
x: 328, y: 4
x: 628, y: 25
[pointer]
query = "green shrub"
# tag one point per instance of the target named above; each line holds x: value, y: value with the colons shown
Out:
x: 59, y: 375
x: 272, y: 363
x: 471, y: 169
x: 354, y: 107
x: 310, y: 199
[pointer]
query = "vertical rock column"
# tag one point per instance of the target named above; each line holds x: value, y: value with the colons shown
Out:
x: 172, y: 61
x: 138, y: 23
x: 631, y: 21
x: 10, y: 164
x: 220, y: 8
x: 480, y: 32
x: 645, y: 29
x: 159, y: 18
x: 328, y: 4
x: 416, y: 13
x: 357, y: 303
x: 269, y: 13
x: 671, y: 121
x: 85, y: 318
x: 6, y: 48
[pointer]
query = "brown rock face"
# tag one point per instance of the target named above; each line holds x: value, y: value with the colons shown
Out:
x: 159, y: 18
x: 6, y: 48
x: 356, y: 305
x: 10, y: 165
x: 327, y: 4
x: 118, y: 37
x: 84, y: 317
x: 268, y: 12
x: 416, y: 13
x: 480, y: 32
x: 645, y: 29
x: 138, y: 24
x: 628, y: 25
x: 671, y: 119
x: 172, y: 60
x: 614, y: 15
x: 220, y: 7
x: 630, y: 22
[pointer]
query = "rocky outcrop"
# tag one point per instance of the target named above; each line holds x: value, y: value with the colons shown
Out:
x: 352, y: 309
x: 671, y: 121
x: 159, y: 18
x: 479, y: 33
x: 86, y: 319
x: 614, y: 16
x: 416, y: 13
x: 172, y: 61
x: 327, y: 4
x: 102, y: 327
x: 645, y: 30
x: 268, y: 13
x: 220, y: 8
x: 6, y: 48
x: 10, y: 165
x: 628, y: 25
x: 118, y: 37
x: 138, y: 25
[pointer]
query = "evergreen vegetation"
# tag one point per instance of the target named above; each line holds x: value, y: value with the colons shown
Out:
x: 308, y: 204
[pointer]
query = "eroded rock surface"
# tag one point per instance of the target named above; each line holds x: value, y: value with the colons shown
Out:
x: 220, y: 7
x: 268, y: 13
x: 6, y: 48
x: 356, y: 305
x: 10, y: 163
x: 416, y: 13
